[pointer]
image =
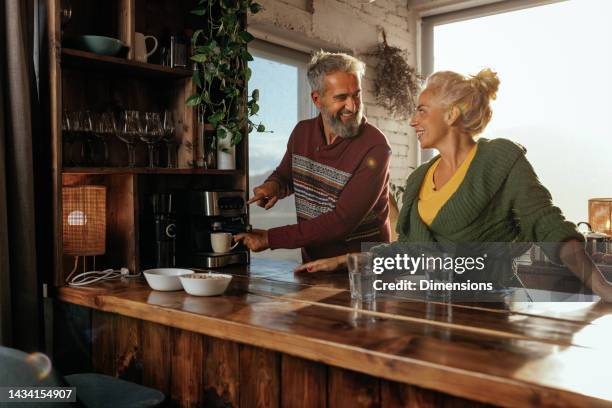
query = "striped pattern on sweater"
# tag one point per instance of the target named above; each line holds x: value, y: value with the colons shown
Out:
x: 317, y: 188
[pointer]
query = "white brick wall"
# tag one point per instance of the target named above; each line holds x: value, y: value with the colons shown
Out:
x: 350, y: 24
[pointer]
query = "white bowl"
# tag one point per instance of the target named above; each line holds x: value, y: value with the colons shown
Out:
x: 165, y: 279
x: 205, y: 284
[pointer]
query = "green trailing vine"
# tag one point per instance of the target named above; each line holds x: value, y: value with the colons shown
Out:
x: 222, y: 74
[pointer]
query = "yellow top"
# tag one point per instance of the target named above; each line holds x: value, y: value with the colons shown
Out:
x: 432, y: 200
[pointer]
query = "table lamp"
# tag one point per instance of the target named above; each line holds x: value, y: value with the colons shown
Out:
x: 600, y: 215
x: 84, y: 221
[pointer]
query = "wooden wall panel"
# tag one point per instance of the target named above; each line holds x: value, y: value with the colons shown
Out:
x: 156, y: 357
x: 303, y: 383
x: 188, y: 360
x: 259, y: 377
x: 195, y: 371
x: 71, y: 346
x: 398, y: 395
x: 128, y: 349
x: 222, y: 374
x: 103, y: 342
x: 351, y: 389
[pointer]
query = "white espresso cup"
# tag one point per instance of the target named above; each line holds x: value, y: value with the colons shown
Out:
x: 140, y: 47
x: 221, y: 242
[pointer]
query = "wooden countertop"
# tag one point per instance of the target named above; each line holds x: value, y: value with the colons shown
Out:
x: 518, y: 354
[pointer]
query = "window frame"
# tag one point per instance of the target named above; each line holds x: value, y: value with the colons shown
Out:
x: 264, y: 49
x: 425, y: 33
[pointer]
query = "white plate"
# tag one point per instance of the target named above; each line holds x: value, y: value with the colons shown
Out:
x: 165, y: 279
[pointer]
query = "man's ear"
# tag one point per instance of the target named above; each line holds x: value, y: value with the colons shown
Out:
x: 316, y: 99
x: 452, y: 114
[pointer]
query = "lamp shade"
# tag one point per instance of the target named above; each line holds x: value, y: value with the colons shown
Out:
x: 600, y: 215
x: 84, y: 220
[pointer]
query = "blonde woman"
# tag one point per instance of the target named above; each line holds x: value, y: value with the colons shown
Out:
x: 477, y: 191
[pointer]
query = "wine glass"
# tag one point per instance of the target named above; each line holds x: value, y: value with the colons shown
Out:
x: 105, y: 127
x: 85, y: 132
x: 152, y: 134
x: 129, y: 131
x: 168, y: 127
x: 68, y: 136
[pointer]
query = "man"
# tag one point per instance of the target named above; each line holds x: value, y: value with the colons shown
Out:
x: 336, y: 164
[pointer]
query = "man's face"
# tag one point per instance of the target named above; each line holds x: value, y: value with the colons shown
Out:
x: 340, y: 103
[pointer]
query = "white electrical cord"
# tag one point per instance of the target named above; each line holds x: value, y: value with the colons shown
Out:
x: 87, y: 278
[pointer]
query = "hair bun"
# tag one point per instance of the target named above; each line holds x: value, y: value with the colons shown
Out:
x: 488, y: 81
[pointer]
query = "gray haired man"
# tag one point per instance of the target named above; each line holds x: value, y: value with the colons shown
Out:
x: 336, y: 164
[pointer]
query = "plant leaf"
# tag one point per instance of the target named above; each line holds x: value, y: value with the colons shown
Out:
x: 199, y: 11
x: 199, y: 57
x: 246, y: 36
x: 221, y: 133
x: 255, y: 94
x: 255, y: 8
x: 193, y: 100
x: 261, y: 128
x: 246, y: 56
x: 196, y: 79
x: 196, y: 34
x: 216, y: 118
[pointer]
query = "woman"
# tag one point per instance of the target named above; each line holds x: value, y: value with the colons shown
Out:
x: 477, y: 191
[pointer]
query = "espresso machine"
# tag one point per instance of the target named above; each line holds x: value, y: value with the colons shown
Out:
x: 165, y: 230
x: 203, y: 212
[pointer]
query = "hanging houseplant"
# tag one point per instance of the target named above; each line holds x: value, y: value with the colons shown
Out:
x: 222, y: 74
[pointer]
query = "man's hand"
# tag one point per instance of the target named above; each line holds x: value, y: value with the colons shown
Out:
x: 256, y: 241
x: 323, y: 265
x: 266, y: 195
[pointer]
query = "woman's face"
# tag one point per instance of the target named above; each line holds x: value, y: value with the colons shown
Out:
x: 428, y: 120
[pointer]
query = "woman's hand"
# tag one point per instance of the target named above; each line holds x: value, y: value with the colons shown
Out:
x: 573, y: 255
x: 323, y: 265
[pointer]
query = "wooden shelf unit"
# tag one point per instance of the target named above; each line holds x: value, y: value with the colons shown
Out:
x: 148, y: 170
x: 82, y: 80
x: 83, y: 60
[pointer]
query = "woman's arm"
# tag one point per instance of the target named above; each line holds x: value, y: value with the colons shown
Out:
x: 574, y: 256
x: 323, y: 265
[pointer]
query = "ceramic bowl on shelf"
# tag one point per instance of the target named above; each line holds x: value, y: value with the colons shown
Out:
x: 97, y: 44
x: 165, y: 279
x: 205, y: 284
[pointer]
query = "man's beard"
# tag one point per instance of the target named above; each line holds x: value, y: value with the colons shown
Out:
x: 338, y: 127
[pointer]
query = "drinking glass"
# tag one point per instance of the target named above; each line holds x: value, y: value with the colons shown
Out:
x: 129, y: 132
x: 68, y: 123
x: 85, y: 134
x: 152, y: 134
x: 105, y: 127
x: 361, y: 276
x: 169, y: 138
x: 438, y: 279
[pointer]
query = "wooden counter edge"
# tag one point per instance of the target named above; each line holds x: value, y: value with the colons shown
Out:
x: 457, y: 382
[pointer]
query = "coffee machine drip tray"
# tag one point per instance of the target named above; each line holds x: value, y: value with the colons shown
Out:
x: 215, y: 260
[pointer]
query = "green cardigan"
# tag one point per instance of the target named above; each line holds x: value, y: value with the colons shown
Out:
x: 500, y: 200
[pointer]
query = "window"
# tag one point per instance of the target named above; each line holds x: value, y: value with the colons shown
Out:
x: 280, y: 75
x: 554, y: 63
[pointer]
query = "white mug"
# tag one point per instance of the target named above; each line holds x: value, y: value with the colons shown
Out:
x: 140, y: 47
x: 221, y: 242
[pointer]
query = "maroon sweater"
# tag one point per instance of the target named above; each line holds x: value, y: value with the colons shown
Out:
x: 341, y: 191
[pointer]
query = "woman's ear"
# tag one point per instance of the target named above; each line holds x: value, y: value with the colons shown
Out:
x: 452, y: 114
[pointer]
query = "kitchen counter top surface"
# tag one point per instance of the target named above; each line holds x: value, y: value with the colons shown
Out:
x: 514, y: 353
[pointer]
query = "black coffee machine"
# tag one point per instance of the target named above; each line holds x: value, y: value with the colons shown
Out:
x: 203, y: 212
x: 164, y: 217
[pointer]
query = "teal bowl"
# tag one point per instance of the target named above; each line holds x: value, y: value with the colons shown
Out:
x: 97, y: 44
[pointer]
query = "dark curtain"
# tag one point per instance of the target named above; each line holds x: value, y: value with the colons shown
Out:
x: 20, y: 134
